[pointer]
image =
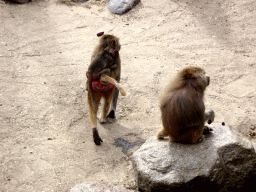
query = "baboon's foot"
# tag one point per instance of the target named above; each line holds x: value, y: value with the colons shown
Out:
x: 112, y: 114
x: 96, y: 136
x: 161, y: 134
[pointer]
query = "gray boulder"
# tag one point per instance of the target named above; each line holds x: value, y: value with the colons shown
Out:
x: 96, y: 186
x: 121, y: 6
x: 223, y: 161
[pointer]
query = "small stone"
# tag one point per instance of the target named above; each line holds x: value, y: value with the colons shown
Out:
x: 252, y: 127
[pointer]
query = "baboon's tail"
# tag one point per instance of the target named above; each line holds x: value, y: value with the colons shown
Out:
x: 106, y: 78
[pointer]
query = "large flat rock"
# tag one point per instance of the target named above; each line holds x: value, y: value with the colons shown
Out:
x: 223, y: 161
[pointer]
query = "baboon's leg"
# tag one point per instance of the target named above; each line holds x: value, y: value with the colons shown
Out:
x: 112, y: 111
x: 93, y: 117
x: 209, y: 116
x: 105, y: 108
x: 161, y: 134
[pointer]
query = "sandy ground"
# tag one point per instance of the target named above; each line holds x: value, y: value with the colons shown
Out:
x: 45, y: 137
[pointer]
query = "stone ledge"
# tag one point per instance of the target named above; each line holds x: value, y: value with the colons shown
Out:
x: 223, y: 161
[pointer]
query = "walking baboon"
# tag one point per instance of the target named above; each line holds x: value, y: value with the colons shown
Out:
x: 103, y: 75
x: 182, y: 107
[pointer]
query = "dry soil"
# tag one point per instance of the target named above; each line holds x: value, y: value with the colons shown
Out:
x: 45, y: 137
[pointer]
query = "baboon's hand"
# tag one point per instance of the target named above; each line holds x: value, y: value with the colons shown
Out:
x: 209, y: 116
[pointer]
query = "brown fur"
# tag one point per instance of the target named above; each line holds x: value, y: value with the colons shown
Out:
x: 110, y: 98
x: 182, y: 106
x: 104, y: 63
x: 105, y: 78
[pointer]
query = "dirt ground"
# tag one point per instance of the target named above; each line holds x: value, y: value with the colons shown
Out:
x: 45, y: 137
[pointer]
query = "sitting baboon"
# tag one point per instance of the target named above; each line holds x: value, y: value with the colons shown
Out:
x: 182, y: 107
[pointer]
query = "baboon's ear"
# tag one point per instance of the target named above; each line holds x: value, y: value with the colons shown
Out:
x: 113, y: 42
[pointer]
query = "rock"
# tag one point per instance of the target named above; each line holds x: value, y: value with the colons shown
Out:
x: 121, y: 6
x: 97, y: 186
x: 223, y: 161
x: 106, y: 1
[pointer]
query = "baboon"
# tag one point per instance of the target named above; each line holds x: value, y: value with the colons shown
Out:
x: 103, y: 76
x: 182, y: 107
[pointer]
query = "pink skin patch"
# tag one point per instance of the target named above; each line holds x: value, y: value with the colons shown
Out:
x: 97, y: 86
x: 94, y: 76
